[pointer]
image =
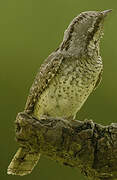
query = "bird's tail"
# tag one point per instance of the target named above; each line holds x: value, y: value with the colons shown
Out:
x: 23, y: 162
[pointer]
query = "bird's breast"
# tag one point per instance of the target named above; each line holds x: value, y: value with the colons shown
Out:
x: 69, y: 89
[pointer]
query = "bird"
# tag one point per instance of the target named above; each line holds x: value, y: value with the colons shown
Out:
x: 65, y: 79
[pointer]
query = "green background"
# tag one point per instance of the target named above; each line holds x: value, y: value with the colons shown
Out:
x: 29, y: 32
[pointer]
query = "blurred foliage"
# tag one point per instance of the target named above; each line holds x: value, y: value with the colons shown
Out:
x: 29, y: 32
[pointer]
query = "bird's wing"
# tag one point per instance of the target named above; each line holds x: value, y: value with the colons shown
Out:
x: 99, y: 79
x: 47, y: 71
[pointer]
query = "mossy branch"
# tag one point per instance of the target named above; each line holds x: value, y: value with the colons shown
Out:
x: 81, y: 144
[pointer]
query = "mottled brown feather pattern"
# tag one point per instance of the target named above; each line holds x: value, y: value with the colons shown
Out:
x: 44, y: 76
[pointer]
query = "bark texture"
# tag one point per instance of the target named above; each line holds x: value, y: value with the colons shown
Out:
x: 81, y: 144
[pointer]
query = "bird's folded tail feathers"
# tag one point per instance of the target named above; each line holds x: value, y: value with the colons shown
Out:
x: 23, y: 162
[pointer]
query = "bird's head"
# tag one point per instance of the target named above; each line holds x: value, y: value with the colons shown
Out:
x: 84, y: 31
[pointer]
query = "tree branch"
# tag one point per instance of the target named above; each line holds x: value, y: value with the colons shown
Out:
x: 82, y: 144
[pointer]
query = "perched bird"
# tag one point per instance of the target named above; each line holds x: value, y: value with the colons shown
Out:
x: 65, y: 80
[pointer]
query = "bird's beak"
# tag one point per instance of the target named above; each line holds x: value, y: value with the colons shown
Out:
x: 106, y: 12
